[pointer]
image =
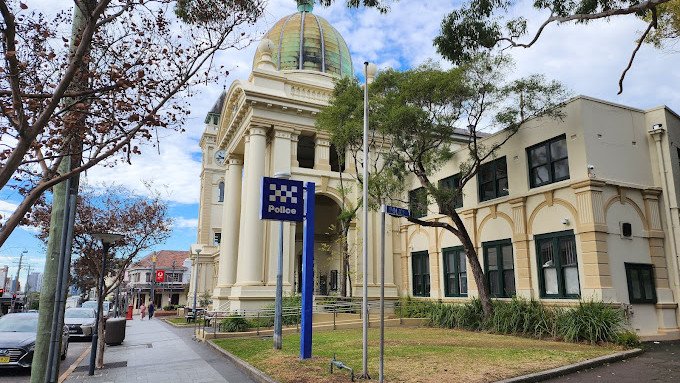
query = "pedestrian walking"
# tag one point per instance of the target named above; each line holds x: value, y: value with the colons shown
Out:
x: 142, y: 311
x: 152, y: 308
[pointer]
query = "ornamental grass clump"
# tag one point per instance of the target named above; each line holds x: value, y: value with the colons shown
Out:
x: 590, y: 321
x: 235, y: 324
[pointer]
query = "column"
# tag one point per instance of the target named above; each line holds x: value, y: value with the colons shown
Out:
x: 281, y: 163
x: 250, y: 256
x: 231, y: 214
x: 322, y: 150
x: 294, y: 148
x: 597, y: 278
x: 520, y: 242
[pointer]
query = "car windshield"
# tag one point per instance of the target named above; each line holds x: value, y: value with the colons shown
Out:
x: 79, y: 313
x: 19, y: 323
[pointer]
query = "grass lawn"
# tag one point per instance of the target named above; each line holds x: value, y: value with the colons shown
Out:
x: 182, y: 322
x: 412, y: 355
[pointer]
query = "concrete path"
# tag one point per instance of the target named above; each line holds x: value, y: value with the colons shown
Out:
x: 659, y: 363
x: 154, y: 351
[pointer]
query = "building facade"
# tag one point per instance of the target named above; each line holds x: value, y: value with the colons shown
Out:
x: 34, y: 282
x: 171, y: 291
x: 575, y: 209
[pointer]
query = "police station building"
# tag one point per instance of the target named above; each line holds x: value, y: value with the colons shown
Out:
x: 582, y: 208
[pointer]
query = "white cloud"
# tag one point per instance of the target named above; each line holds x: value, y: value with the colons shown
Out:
x: 181, y: 222
x: 6, y: 209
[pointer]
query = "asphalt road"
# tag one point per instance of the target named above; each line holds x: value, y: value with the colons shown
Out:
x: 75, y: 348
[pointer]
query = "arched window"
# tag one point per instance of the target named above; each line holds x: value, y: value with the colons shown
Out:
x: 220, y: 193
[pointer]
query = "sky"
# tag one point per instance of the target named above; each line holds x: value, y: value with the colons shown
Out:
x: 587, y: 59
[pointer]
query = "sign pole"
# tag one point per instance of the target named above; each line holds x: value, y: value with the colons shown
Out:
x: 307, y: 273
x: 278, y: 308
x: 381, y: 375
x: 364, y: 222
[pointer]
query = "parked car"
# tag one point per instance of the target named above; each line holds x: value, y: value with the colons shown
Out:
x: 93, y: 305
x: 17, y: 339
x: 80, y: 321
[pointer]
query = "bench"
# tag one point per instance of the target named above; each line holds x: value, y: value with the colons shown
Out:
x: 191, y: 316
x: 210, y: 315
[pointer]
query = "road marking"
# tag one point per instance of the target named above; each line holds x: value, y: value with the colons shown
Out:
x: 75, y: 364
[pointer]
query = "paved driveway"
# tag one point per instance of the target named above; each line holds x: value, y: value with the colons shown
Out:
x: 659, y: 363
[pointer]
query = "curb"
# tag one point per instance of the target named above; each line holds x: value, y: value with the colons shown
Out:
x: 564, y: 370
x: 242, y: 365
x: 177, y: 325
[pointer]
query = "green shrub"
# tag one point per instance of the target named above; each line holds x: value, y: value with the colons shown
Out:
x: 234, y: 324
x: 628, y: 339
x: 169, y: 307
x: 592, y: 322
x: 290, y: 303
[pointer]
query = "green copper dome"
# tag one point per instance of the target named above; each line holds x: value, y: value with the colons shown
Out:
x: 306, y: 41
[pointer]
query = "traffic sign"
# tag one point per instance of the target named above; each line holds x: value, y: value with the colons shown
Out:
x: 160, y: 275
x: 282, y: 199
x: 397, y: 211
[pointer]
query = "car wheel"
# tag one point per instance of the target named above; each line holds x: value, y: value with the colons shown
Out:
x: 63, y: 356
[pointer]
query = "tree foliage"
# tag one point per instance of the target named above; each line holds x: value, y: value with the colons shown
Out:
x: 487, y: 24
x: 121, y: 80
x: 667, y: 24
x: 427, y: 119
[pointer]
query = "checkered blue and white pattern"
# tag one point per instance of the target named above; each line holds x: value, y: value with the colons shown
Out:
x: 283, y: 193
x: 282, y: 199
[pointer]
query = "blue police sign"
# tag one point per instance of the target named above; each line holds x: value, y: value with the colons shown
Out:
x: 396, y: 211
x: 282, y: 200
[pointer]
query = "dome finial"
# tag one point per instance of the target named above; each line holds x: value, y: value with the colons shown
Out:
x: 305, y: 5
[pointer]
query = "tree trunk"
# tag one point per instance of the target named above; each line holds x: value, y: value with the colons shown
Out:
x: 100, y: 342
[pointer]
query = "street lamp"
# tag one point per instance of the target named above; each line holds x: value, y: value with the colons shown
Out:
x: 107, y: 239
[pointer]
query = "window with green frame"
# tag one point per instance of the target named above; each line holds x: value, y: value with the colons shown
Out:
x: 558, y: 265
x: 640, y: 283
x: 548, y: 161
x: 421, y: 273
x: 417, y: 202
x: 453, y: 184
x: 499, y: 268
x: 492, y: 179
x: 455, y: 272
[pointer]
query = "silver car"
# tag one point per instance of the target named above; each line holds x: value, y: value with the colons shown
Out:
x: 80, y: 321
x: 17, y: 339
x: 106, y: 307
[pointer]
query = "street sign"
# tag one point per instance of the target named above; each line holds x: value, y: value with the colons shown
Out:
x: 397, y: 211
x: 282, y: 199
x: 160, y: 275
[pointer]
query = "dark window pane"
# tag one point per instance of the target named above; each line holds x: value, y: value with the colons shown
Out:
x: 540, y: 175
x: 486, y: 173
x: 501, y: 167
x: 502, y: 186
x: 494, y: 288
x: 461, y: 262
x: 561, y: 169
x: 567, y: 252
x: 635, y: 282
x: 487, y: 191
x: 492, y: 258
x: 463, y: 283
x: 558, y: 149
x: 538, y: 156
x: 509, y: 282
x: 647, y: 286
x: 546, y: 254
x: 507, y: 257
x: 427, y: 285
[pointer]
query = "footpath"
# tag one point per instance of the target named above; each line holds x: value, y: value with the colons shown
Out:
x: 154, y: 351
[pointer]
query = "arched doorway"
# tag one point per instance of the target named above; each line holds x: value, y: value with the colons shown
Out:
x: 327, y: 248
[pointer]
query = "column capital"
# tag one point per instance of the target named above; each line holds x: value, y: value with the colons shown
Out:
x: 234, y: 159
x: 257, y: 130
x: 588, y: 185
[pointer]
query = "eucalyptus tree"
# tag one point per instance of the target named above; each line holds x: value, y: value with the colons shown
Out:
x: 414, y: 117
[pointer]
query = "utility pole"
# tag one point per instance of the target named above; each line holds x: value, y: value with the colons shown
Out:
x: 15, y: 285
x: 61, y: 222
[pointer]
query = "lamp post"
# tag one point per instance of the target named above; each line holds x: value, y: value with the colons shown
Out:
x: 107, y: 240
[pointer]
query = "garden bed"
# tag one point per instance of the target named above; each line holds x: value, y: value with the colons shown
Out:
x: 413, y: 355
